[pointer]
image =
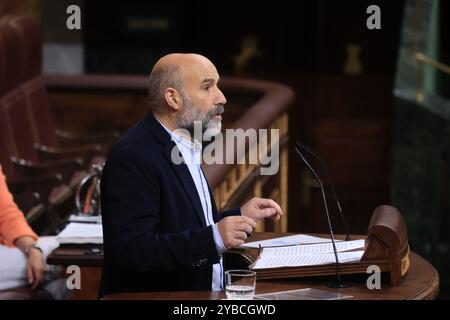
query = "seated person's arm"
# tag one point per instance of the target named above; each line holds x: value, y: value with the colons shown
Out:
x: 15, y: 231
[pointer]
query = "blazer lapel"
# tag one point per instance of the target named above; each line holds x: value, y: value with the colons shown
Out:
x: 215, y: 212
x: 181, y: 170
x: 183, y: 174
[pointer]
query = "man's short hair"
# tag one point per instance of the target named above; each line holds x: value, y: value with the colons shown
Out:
x: 160, y: 79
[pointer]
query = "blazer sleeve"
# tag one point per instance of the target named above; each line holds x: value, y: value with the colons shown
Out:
x: 130, y: 192
x: 230, y: 212
x: 13, y: 224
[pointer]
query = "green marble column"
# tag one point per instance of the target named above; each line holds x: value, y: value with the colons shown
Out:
x: 420, y: 176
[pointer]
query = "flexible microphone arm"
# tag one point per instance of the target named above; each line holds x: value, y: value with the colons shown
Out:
x: 341, y: 214
x: 338, y: 283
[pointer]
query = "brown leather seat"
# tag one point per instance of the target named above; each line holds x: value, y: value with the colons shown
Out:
x: 26, y: 122
x: 30, y: 34
x: 44, y: 133
x: 18, y: 156
x: 11, y: 58
x: 18, y: 131
x: 20, y: 128
x: 34, y: 85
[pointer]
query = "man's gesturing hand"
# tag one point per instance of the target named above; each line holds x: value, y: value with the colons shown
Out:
x: 233, y: 230
x: 259, y: 208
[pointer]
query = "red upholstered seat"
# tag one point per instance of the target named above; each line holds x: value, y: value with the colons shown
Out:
x: 39, y: 115
x: 12, y: 58
x: 32, y: 153
x: 19, y: 130
x: 21, y: 164
x: 30, y: 150
x: 34, y: 86
x: 19, y: 160
x: 43, y: 128
x: 16, y: 121
x: 31, y: 38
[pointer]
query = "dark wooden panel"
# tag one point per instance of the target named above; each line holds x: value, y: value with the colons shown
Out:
x: 349, y: 126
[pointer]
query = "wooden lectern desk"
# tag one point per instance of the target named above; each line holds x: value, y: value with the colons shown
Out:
x: 386, y: 246
x: 405, y: 275
x: 420, y: 283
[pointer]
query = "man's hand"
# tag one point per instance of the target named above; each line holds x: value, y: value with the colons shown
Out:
x: 259, y: 208
x: 36, y: 267
x: 233, y: 230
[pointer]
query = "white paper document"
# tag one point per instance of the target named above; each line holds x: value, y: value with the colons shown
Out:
x: 78, y: 233
x: 268, y: 260
x: 85, y: 218
x: 316, y: 248
x: 309, y: 254
x: 287, y: 241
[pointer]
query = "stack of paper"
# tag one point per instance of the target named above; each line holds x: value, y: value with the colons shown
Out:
x: 286, y: 241
x: 309, y: 255
x: 85, y: 218
x: 80, y: 233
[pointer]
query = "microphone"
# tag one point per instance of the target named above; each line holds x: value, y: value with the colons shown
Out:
x: 341, y: 214
x: 338, y: 283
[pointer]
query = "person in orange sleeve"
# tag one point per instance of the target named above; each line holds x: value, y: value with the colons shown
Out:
x: 15, y: 231
x: 23, y: 253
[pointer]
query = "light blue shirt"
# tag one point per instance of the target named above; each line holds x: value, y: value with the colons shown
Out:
x: 191, y: 152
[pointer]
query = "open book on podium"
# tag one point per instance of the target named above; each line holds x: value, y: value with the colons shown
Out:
x: 385, y: 245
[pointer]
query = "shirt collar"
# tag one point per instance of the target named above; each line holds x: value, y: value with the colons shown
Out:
x: 179, y: 139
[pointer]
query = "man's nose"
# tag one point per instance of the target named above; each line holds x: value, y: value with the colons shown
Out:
x: 220, y: 98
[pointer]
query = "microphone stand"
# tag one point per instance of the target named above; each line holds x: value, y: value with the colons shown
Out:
x: 338, y: 282
x: 341, y: 214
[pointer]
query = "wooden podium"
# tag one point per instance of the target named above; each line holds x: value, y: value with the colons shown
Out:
x: 386, y: 247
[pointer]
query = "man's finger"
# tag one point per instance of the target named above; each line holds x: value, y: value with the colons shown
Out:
x: 267, y: 212
x: 245, y: 227
x: 240, y: 235
x: 273, y: 204
x: 242, y: 226
x: 250, y: 221
x: 237, y: 243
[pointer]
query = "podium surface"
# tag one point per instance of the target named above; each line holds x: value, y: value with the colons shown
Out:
x: 420, y: 282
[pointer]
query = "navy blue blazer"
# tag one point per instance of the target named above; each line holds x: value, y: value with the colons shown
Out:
x: 154, y: 229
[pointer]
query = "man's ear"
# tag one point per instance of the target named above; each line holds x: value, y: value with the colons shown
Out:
x: 173, y: 98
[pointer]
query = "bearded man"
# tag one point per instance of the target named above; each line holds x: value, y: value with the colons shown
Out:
x: 162, y: 230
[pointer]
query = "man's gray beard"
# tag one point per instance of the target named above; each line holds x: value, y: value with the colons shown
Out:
x: 191, y: 114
